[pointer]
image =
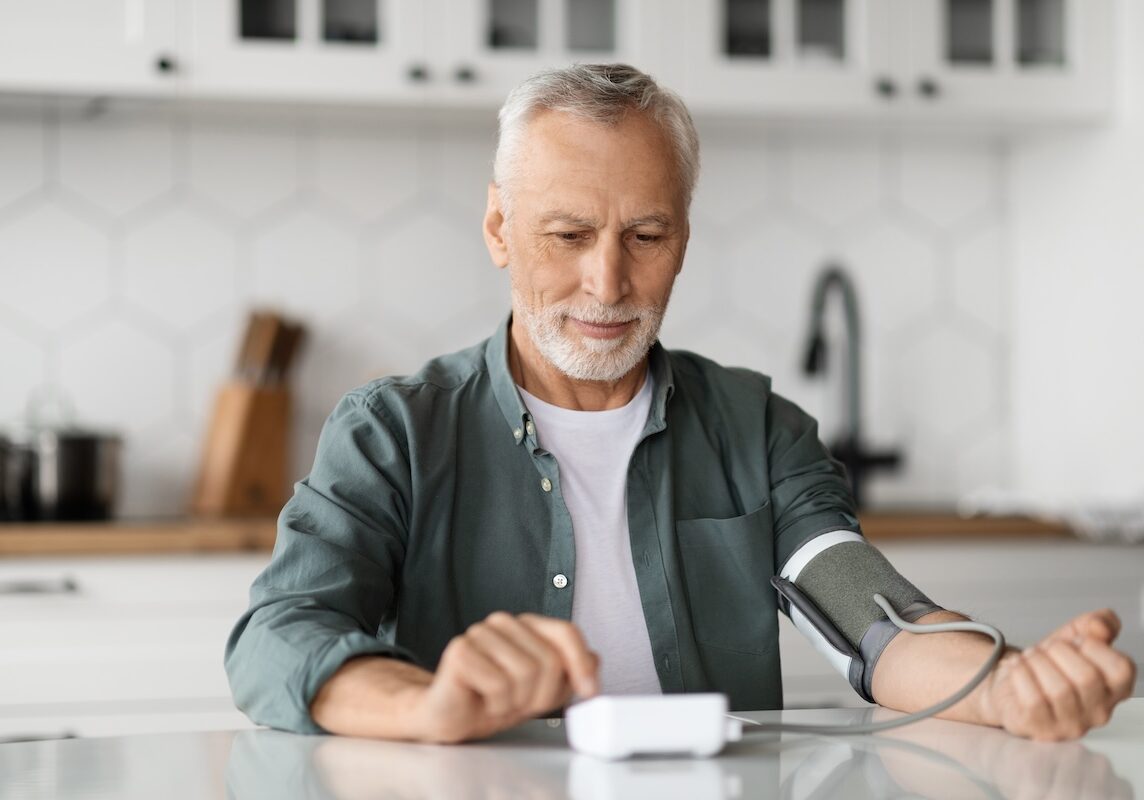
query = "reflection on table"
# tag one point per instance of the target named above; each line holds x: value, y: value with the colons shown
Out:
x: 932, y: 759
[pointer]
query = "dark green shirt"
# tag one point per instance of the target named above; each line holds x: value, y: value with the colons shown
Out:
x: 431, y: 505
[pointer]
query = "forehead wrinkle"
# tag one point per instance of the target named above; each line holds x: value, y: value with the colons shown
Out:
x: 662, y: 220
x: 568, y: 218
x: 655, y: 218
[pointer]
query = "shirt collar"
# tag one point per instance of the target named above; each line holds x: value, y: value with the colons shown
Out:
x: 516, y: 413
x: 504, y: 388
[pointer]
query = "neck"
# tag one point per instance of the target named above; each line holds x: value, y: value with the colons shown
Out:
x: 533, y: 373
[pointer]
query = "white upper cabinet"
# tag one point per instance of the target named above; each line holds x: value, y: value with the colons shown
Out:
x: 1022, y: 59
x: 89, y: 46
x: 308, y: 50
x: 974, y: 59
x: 438, y: 53
x: 784, y: 57
x: 977, y: 60
x: 485, y: 47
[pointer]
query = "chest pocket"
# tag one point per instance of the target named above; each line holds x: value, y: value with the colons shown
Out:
x: 727, y: 565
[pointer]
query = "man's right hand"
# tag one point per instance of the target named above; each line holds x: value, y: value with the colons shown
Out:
x: 502, y: 671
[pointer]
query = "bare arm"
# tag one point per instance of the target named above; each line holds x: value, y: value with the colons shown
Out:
x: 500, y: 672
x: 1057, y: 689
x: 373, y: 697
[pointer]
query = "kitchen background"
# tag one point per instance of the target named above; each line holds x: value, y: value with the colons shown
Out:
x: 167, y: 167
x: 997, y: 273
x: 132, y: 245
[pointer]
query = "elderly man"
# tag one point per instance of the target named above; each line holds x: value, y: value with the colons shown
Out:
x: 568, y: 508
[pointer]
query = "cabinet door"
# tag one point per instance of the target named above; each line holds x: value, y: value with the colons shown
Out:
x: 786, y: 56
x: 1019, y: 59
x: 99, y: 646
x: 484, y: 48
x: 308, y: 50
x: 100, y: 46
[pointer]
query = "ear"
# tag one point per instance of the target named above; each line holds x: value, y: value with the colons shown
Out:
x: 494, y: 228
x: 683, y: 250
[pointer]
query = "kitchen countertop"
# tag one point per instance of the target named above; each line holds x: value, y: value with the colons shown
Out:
x: 931, y: 759
x: 218, y: 535
x: 151, y: 537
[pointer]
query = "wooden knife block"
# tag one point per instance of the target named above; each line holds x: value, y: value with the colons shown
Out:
x: 245, y: 464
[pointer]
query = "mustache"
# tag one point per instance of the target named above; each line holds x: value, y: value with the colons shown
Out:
x: 601, y: 314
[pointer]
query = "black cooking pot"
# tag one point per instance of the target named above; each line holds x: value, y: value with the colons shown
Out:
x: 60, y: 472
x: 76, y: 474
x: 16, y: 468
x: 4, y: 513
x: 65, y: 474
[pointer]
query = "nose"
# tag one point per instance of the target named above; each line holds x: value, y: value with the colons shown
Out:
x: 604, y: 272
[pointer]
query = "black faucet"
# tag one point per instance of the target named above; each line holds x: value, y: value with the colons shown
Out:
x: 848, y: 448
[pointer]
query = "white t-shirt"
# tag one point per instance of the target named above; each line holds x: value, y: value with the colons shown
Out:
x: 592, y: 450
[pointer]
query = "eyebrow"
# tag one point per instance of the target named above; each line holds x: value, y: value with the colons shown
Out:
x: 662, y: 220
x: 569, y: 219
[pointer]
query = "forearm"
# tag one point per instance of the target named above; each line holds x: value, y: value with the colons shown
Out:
x: 371, y: 696
x: 905, y: 678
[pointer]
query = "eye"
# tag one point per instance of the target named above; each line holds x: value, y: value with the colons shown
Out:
x: 647, y: 238
x: 570, y: 237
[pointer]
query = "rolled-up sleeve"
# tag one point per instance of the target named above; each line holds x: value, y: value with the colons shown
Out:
x: 332, y: 579
x: 810, y: 493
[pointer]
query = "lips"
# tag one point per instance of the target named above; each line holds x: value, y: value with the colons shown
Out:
x: 602, y: 330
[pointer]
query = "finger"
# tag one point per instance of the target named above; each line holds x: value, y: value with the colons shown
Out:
x: 520, y: 666
x: 1119, y: 670
x: 1088, y: 682
x: 1059, y: 691
x: 580, y: 663
x: 469, y: 666
x: 1033, y: 715
x: 550, y: 687
x: 1103, y: 625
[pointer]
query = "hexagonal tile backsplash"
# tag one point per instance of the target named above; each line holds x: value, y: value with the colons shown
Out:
x: 131, y: 247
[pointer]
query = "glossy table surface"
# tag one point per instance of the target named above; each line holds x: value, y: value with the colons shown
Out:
x: 930, y: 759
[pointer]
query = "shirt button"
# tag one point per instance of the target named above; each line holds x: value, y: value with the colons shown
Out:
x: 546, y: 485
x: 528, y: 426
x: 559, y: 581
x: 517, y: 434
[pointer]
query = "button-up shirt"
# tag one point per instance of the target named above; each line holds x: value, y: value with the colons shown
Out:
x: 431, y: 504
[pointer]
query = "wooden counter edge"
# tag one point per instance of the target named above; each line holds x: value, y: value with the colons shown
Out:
x: 257, y: 535
x: 922, y: 526
x: 121, y: 538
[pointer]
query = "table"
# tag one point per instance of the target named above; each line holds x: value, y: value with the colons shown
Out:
x: 931, y: 759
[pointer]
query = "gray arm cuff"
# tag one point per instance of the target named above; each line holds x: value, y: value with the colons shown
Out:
x: 874, y: 641
x: 841, y: 581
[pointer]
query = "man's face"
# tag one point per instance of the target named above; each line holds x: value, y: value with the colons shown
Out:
x: 595, y: 238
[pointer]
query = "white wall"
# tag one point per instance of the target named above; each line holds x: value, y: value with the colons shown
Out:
x: 1078, y: 244
x: 132, y: 243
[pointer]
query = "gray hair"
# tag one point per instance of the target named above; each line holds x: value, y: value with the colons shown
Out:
x: 602, y: 93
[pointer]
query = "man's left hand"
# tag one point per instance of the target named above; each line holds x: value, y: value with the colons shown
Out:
x: 1066, y: 684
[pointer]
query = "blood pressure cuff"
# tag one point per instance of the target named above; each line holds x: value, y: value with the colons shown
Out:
x: 827, y: 589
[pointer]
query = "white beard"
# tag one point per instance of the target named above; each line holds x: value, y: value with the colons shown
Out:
x: 585, y: 358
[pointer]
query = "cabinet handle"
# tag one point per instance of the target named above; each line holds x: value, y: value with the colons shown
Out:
x: 929, y: 88
x: 465, y: 74
x: 166, y: 64
x: 66, y: 585
x: 886, y: 87
x: 418, y: 73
